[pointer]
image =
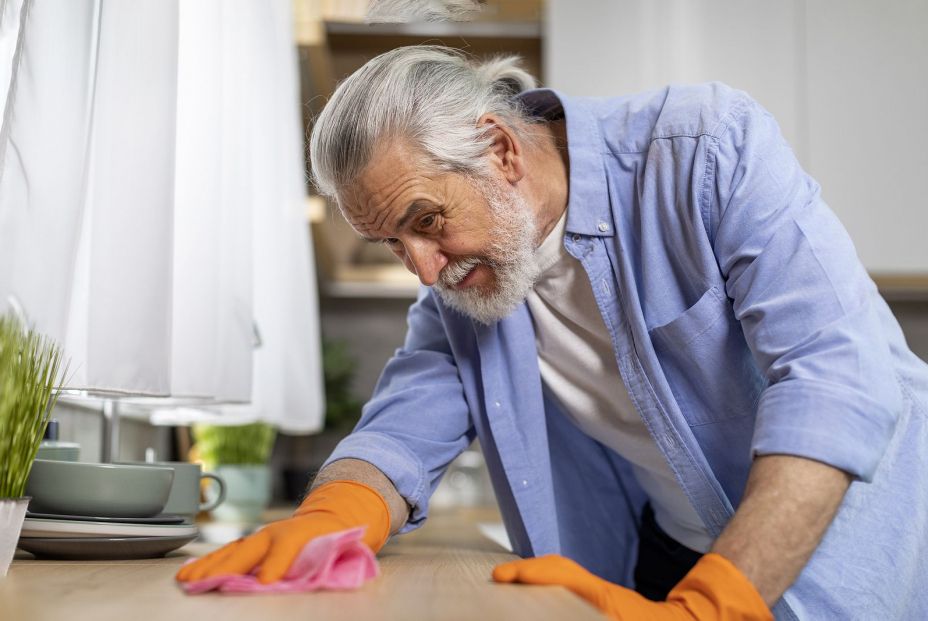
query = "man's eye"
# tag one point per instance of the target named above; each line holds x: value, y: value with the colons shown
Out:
x: 427, y: 221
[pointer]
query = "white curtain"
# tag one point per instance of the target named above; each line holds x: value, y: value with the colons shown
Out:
x: 10, y: 11
x: 126, y: 288
x: 213, y: 304
x: 151, y: 200
x: 263, y: 96
x: 48, y: 65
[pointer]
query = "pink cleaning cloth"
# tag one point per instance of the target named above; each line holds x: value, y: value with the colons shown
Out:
x: 337, y: 561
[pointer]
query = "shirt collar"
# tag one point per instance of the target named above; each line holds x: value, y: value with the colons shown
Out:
x: 588, y: 207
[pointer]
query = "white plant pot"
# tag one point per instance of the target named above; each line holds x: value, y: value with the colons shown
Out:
x: 248, y: 493
x: 12, y: 514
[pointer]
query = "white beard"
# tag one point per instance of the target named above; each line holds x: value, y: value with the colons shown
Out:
x: 511, y: 258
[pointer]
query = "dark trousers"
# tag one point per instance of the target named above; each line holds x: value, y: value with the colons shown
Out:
x: 662, y: 560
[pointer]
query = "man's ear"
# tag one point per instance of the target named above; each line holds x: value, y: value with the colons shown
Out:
x: 505, y: 152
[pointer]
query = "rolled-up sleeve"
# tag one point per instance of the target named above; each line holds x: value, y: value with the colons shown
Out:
x: 808, y: 309
x: 417, y: 421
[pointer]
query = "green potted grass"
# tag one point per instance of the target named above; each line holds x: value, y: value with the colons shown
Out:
x: 239, y: 455
x: 29, y: 366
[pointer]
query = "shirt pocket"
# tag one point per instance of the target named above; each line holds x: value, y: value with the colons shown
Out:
x: 707, y: 362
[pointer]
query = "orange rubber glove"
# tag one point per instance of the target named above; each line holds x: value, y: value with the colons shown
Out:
x: 713, y: 590
x: 331, y: 507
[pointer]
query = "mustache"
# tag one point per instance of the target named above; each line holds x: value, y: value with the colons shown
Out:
x: 453, y: 273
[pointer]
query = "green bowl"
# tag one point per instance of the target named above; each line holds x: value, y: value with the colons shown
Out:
x: 102, y: 490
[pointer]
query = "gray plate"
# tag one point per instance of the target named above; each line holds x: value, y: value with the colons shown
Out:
x: 164, y: 518
x: 101, y: 548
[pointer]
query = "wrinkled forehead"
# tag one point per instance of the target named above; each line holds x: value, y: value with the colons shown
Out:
x: 396, y: 175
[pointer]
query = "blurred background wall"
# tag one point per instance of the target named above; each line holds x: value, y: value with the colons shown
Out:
x: 846, y: 79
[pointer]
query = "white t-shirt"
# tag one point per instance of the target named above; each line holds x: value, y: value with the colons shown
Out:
x: 578, y: 367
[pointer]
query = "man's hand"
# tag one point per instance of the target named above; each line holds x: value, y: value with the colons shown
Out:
x: 787, y: 507
x: 334, y: 506
x: 713, y: 590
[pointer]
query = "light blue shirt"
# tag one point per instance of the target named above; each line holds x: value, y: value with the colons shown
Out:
x: 743, y: 324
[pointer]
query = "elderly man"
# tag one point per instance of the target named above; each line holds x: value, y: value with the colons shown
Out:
x: 683, y: 380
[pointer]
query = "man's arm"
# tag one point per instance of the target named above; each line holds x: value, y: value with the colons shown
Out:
x: 364, y: 472
x: 788, y: 505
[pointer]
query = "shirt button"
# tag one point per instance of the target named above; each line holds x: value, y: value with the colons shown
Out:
x: 498, y: 404
x: 524, y: 483
x: 575, y: 237
x: 603, y: 227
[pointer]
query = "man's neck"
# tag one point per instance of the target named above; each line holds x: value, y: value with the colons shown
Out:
x: 551, y: 178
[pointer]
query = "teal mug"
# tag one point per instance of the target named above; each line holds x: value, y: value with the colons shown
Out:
x: 184, y: 499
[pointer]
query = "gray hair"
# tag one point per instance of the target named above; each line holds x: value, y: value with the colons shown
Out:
x: 430, y: 95
x: 380, y: 11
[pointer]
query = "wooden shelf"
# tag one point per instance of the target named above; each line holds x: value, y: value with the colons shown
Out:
x: 475, y: 29
x: 902, y: 287
x: 315, y: 209
x: 372, y: 281
x: 394, y: 281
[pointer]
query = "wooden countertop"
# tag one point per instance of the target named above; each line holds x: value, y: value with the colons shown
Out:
x: 441, y: 571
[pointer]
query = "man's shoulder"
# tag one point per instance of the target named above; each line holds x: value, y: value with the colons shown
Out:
x: 699, y: 110
x: 632, y: 122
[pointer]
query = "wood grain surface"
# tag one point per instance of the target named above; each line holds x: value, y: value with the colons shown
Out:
x: 442, y: 571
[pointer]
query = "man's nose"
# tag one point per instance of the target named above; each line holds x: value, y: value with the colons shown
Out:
x: 426, y: 260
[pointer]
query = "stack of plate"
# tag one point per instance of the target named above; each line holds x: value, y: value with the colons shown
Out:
x: 61, y: 452
x: 53, y: 448
x: 85, y: 511
x: 99, y: 537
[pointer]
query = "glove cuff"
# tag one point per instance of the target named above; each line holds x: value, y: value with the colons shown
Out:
x: 715, y: 589
x: 354, y: 504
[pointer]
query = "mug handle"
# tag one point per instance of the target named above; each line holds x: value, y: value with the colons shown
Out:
x: 210, y: 505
